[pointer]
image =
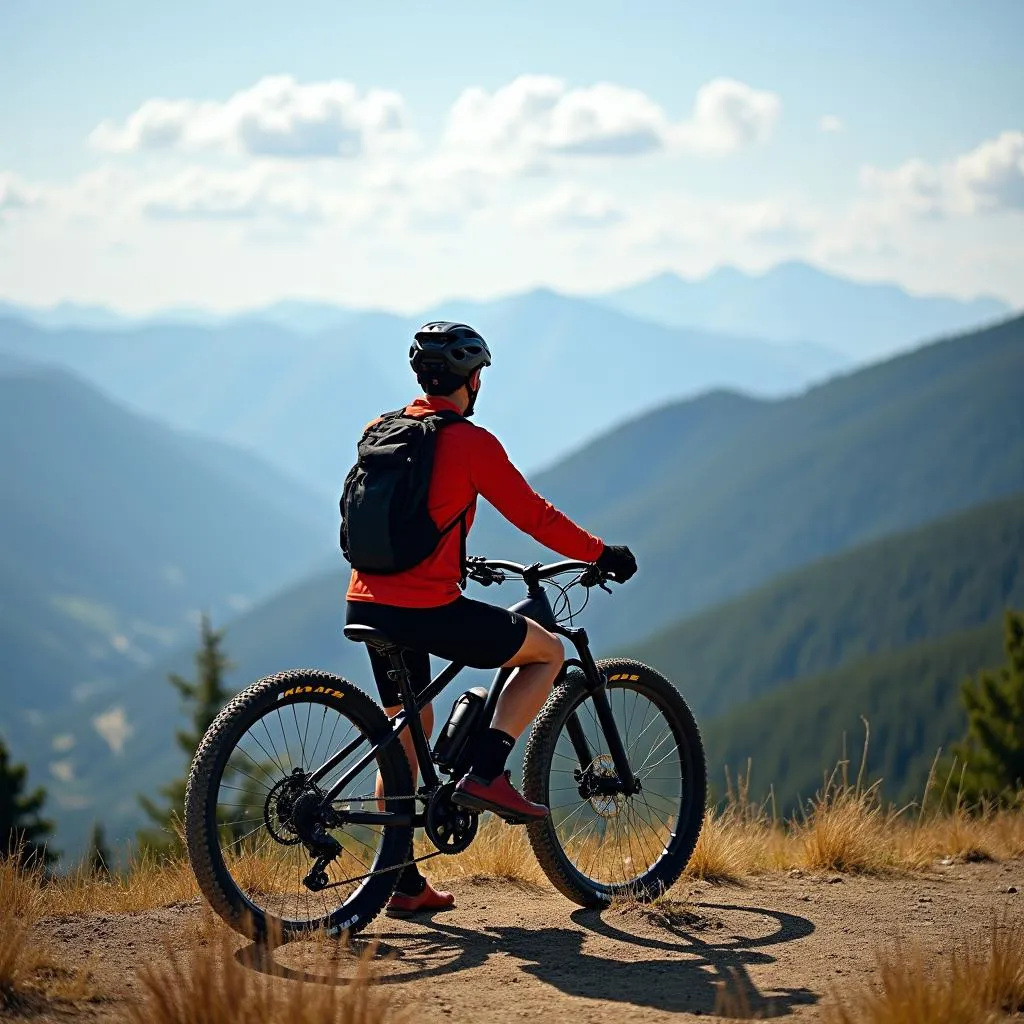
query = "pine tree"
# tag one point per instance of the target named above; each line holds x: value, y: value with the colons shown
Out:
x: 98, y: 859
x: 993, y: 750
x: 204, y: 698
x: 23, y: 831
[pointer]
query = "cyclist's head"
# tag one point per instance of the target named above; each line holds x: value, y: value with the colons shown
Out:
x: 446, y: 356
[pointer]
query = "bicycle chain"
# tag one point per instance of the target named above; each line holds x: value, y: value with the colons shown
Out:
x: 395, y: 867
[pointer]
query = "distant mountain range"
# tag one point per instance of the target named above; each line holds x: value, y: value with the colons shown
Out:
x: 718, y: 495
x: 797, y: 302
x: 301, y: 400
x: 118, y: 531
x: 295, y: 380
x: 790, y: 302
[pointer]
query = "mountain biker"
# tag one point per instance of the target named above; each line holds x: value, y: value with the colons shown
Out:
x: 424, y: 610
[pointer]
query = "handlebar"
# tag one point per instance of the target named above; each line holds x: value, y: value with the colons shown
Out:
x: 492, y: 570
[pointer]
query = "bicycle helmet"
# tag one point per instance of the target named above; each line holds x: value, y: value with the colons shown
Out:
x: 444, y: 355
x: 461, y: 349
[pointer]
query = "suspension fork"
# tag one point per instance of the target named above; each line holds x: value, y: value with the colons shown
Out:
x: 597, y: 686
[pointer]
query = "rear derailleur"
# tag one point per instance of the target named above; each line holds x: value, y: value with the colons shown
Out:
x: 295, y: 813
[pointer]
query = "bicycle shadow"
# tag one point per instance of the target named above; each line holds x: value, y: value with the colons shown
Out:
x: 684, y: 971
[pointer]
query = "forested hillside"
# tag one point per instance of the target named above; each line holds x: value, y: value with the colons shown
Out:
x: 910, y: 698
x: 939, y: 579
x: 118, y: 530
x: 888, y: 448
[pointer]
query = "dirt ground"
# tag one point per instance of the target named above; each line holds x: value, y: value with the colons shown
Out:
x: 781, y: 945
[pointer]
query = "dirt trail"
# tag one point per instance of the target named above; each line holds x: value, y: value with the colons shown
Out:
x: 781, y: 944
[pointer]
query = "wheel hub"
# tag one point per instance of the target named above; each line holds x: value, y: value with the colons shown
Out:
x: 599, y: 783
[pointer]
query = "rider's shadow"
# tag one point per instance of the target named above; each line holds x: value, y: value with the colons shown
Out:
x: 692, y: 980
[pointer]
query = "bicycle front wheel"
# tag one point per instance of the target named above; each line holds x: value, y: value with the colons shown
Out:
x: 598, y: 842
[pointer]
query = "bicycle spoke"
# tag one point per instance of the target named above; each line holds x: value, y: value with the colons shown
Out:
x: 615, y: 839
x: 269, y: 864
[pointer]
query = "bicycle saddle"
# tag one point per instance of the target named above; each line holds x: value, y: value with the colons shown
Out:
x: 369, y: 635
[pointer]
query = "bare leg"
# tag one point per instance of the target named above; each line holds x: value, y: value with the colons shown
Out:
x: 537, y: 665
x: 427, y: 719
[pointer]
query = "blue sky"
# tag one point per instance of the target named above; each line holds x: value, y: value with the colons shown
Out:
x: 395, y: 154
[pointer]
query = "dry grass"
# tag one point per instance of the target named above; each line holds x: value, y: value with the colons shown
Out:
x: 980, y: 982
x: 846, y: 828
x: 148, y: 882
x: 499, y: 851
x: 29, y: 975
x: 209, y: 985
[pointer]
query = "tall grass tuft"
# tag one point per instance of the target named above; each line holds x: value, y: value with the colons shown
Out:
x: 29, y: 975
x: 209, y: 985
x: 19, y: 956
x: 979, y: 982
x: 742, y: 838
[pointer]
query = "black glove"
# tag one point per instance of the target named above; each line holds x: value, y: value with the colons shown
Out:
x: 618, y: 560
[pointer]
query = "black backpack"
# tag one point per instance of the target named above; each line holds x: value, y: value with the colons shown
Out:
x: 385, y: 525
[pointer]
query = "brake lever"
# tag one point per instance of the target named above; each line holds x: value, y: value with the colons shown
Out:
x: 594, y: 577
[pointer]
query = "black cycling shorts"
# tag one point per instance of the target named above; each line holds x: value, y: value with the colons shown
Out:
x: 466, y: 632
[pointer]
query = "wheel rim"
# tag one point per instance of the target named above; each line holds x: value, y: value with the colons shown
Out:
x: 608, y: 838
x: 261, y: 812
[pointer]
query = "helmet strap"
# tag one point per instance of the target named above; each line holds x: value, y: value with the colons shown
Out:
x: 471, y: 405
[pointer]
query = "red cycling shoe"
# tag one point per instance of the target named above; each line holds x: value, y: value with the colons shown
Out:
x: 425, y: 902
x: 499, y: 796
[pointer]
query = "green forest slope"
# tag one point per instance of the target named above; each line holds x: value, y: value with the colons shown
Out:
x: 949, y: 576
x: 891, y: 447
x: 117, y: 530
x: 795, y: 735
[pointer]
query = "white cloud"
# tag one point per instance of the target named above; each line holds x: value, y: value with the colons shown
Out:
x: 197, y: 193
x: 572, y: 207
x: 993, y: 173
x: 276, y: 117
x: 537, y: 118
x: 729, y: 115
x: 537, y: 115
x: 987, y: 178
x: 831, y: 123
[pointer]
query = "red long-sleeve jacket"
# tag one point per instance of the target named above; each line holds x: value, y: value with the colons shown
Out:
x: 469, y: 462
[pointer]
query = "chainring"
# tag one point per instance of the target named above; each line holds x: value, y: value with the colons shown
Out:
x: 449, y: 827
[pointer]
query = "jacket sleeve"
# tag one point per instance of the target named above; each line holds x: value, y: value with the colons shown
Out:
x: 497, y: 480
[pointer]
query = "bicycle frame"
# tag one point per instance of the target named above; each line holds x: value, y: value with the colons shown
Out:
x: 535, y: 606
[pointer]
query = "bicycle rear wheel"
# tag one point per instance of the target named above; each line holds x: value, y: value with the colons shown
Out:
x: 598, y: 843
x: 252, y: 821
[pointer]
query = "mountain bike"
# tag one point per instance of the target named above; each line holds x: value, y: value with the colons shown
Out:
x: 301, y: 808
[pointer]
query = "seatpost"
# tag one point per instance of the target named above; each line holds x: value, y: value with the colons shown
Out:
x: 400, y: 676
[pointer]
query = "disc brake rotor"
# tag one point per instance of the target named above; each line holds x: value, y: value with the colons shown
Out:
x: 602, y: 769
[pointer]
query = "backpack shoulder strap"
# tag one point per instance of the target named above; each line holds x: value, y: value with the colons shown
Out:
x: 443, y: 417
